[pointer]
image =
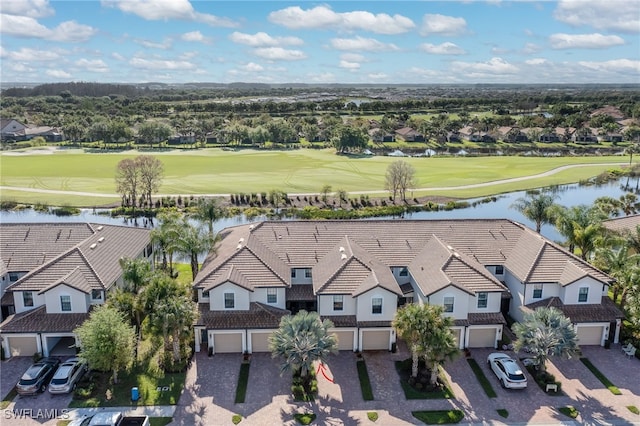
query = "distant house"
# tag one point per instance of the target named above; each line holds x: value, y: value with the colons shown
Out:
x: 54, y: 274
x: 181, y: 139
x: 410, y: 135
x: 13, y: 130
x: 512, y: 134
x: 379, y: 136
x: 609, y: 110
x: 584, y: 135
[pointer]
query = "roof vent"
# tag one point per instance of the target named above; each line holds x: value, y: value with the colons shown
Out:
x: 99, y: 228
x: 241, y: 240
x: 92, y: 246
x: 450, y: 248
x: 251, y: 227
x: 341, y: 249
x: 344, y: 256
x: 239, y: 246
x: 101, y: 239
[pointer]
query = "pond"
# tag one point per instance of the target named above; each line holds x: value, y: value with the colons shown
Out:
x: 568, y: 195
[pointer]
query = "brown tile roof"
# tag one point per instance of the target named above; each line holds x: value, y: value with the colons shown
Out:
x: 342, y: 320
x: 606, y: 311
x: 623, y: 224
x: 39, y: 321
x: 300, y: 292
x: 96, y: 257
x: 488, y: 318
x: 74, y: 279
x: 258, y: 316
x: 362, y: 324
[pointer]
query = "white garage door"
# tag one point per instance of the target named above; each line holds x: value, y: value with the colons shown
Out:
x: 227, y: 343
x: 590, y: 335
x: 345, y: 340
x: 482, y: 338
x: 23, y: 346
x: 375, y: 340
x: 260, y: 342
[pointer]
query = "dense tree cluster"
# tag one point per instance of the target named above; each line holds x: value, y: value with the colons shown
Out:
x: 137, y: 179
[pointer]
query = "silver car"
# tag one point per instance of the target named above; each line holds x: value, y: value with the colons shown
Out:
x: 507, y: 370
x: 67, y: 376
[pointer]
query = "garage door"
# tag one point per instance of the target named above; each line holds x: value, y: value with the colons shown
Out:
x: 375, y: 340
x: 590, y: 335
x: 260, y: 342
x: 227, y: 343
x: 482, y: 337
x: 23, y: 346
x: 345, y: 340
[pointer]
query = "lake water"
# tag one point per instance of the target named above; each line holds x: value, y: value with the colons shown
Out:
x: 568, y: 195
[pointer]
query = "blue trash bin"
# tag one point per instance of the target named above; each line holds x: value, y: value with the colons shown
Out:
x: 135, y: 394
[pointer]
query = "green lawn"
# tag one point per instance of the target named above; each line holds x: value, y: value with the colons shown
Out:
x: 439, y: 417
x: 365, y: 382
x: 214, y: 171
x: 243, y: 381
x: 612, y: 388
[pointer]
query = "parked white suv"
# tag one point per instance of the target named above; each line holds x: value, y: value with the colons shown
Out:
x: 507, y: 370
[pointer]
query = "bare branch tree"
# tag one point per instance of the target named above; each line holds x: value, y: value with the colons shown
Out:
x: 399, y: 178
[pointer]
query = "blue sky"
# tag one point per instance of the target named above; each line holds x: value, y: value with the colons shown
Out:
x: 178, y: 41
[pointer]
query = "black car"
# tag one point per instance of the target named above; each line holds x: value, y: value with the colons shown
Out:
x: 36, y: 378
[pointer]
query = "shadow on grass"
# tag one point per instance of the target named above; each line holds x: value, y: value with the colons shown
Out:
x: 421, y: 388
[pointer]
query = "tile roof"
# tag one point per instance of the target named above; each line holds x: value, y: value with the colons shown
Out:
x: 342, y: 320
x: 96, y: 256
x: 606, y: 311
x: 300, y: 292
x: 623, y: 224
x: 351, y: 257
x: 482, y: 318
x: 39, y: 321
x: 258, y: 316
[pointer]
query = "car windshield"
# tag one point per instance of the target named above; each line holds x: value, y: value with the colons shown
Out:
x: 31, y: 375
x: 513, y: 371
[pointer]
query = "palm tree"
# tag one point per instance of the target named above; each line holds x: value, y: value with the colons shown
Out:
x: 546, y: 332
x: 175, y: 317
x: 586, y: 238
x: 618, y: 263
x: 567, y: 218
x: 130, y: 299
x: 193, y: 241
x: 427, y: 332
x: 165, y: 237
x: 207, y: 210
x: 536, y: 208
x: 301, y: 340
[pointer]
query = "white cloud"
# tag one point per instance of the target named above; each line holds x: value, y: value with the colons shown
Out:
x: 57, y: 74
x: 614, y: 15
x: 158, y: 10
x: 164, y: 45
x: 615, y: 65
x: 361, y: 44
x: 446, y: 48
x: 117, y: 56
x: 279, y: 54
x: 530, y: 48
x: 536, y: 61
x: 30, y: 8
x: 378, y: 76
x: 27, y: 27
x: 94, y: 65
x: 584, y: 41
x: 442, y: 25
x: 20, y: 68
x: 262, y: 39
x: 193, y: 36
x: 322, y: 17
x: 325, y: 77
x: 493, y: 66
x: 352, y: 57
x: 349, y: 65
x: 27, y: 54
x: 160, y: 64
x: 252, y: 67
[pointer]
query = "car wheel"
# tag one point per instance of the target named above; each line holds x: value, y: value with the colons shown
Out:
x: 43, y: 388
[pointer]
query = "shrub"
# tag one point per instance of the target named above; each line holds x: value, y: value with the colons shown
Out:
x: 372, y: 415
x: 304, y: 418
x: 236, y: 418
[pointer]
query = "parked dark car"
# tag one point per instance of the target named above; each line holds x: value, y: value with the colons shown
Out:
x: 37, y: 376
x: 67, y: 376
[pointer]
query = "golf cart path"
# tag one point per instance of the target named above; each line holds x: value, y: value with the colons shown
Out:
x: 442, y: 188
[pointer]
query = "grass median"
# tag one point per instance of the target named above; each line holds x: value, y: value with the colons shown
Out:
x: 603, y: 379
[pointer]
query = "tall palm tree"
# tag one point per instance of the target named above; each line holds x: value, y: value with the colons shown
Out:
x: 165, y: 237
x: 409, y: 327
x: 566, y: 219
x: 536, y: 208
x: 193, y: 241
x: 546, y: 332
x: 301, y: 340
x: 207, y: 210
x: 586, y: 238
x: 175, y: 317
x: 618, y: 262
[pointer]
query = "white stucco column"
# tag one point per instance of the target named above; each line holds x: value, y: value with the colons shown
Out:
x: 616, y: 337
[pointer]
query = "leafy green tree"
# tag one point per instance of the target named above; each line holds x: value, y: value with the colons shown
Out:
x: 151, y: 132
x: 301, y: 340
x: 586, y: 238
x: 399, y: 178
x: 567, y: 219
x: 537, y: 208
x: 427, y: 332
x: 349, y: 139
x: 276, y: 197
x: 107, y: 340
x: 208, y: 211
x: 546, y: 332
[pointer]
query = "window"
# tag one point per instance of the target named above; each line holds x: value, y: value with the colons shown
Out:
x: 404, y: 272
x: 482, y: 299
x: 338, y: 303
x: 307, y: 273
x: 229, y: 301
x: 376, y: 305
x: 27, y: 298
x: 272, y: 295
x: 537, y: 291
x: 499, y: 270
x: 583, y: 294
x: 293, y: 273
x: 96, y: 294
x: 65, y: 303
x: 13, y: 276
x: 205, y: 294
x: 448, y: 304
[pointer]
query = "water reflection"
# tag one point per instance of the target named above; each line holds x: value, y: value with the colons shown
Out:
x: 568, y: 195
